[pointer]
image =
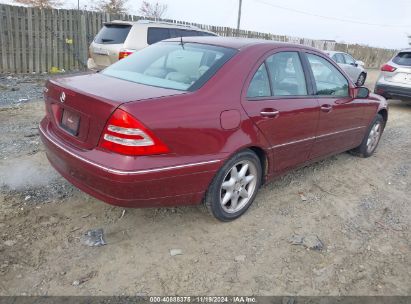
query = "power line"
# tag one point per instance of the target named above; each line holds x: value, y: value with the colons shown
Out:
x: 329, y: 17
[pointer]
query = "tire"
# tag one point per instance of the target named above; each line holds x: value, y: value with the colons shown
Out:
x: 371, y: 138
x: 361, y: 79
x: 230, y: 195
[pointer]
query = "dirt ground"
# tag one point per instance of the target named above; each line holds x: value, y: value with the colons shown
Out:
x: 359, y: 208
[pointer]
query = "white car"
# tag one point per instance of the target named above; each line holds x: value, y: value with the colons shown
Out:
x: 118, y: 39
x: 354, y: 68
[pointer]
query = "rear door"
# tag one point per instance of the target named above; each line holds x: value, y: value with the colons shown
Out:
x: 341, y: 116
x: 278, y: 100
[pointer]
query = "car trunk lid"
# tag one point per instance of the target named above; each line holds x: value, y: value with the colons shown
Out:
x: 79, y: 106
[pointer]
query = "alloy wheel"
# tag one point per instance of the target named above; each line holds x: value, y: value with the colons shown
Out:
x: 238, y: 186
x: 374, y: 137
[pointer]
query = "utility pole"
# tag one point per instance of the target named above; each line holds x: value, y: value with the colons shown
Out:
x: 78, y: 5
x: 240, y: 2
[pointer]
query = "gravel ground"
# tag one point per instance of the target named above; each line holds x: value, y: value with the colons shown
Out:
x: 337, y: 227
x: 19, y: 89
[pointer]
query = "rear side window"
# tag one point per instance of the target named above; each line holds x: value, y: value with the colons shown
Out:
x: 175, y: 32
x: 156, y: 34
x: 260, y: 84
x: 286, y: 74
x: 113, y: 34
x: 206, y: 34
x: 349, y: 59
x: 403, y: 58
x: 187, y: 33
x: 328, y: 80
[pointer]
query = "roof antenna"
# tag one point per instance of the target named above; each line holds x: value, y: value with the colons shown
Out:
x: 182, y: 42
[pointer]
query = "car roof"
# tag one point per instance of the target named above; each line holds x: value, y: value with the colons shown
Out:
x: 238, y: 43
x: 334, y: 52
x: 150, y: 23
x: 155, y: 23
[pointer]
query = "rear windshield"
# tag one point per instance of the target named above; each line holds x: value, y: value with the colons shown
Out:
x: 172, y: 65
x: 403, y: 58
x: 113, y: 34
x: 156, y: 34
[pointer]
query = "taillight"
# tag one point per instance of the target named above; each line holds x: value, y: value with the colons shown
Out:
x: 124, y: 134
x: 124, y: 54
x: 387, y: 68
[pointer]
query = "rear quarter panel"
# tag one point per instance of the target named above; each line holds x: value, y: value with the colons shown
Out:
x: 137, y: 37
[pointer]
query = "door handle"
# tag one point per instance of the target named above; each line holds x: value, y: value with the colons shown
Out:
x: 326, y: 108
x: 269, y: 113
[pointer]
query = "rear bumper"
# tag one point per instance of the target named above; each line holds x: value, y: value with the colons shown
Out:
x: 172, y: 184
x: 91, y: 65
x: 392, y: 91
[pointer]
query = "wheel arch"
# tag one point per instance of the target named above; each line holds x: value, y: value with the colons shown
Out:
x: 264, y: 160
x: 384, y: 114
x: 262, y: 154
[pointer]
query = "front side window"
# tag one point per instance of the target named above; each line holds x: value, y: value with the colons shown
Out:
x: 286, y: 74
x: 260, y: 84
x: 172, y: 65
x: 349, y: 59
x: 328, y: 80
x: 339, y: 58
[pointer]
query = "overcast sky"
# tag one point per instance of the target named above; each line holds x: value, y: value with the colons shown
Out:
x: 382, y: 23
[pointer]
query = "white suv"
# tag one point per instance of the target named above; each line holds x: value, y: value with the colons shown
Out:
x: 395, y: 78
x: 118, y: 39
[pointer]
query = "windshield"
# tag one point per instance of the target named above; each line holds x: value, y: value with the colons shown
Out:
x: 172, y: 65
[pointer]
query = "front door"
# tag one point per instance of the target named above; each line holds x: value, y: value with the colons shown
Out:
x: 341, y: 116
x: 278, y: 101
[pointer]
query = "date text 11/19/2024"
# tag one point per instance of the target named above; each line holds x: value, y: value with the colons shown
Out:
x: 203, y: 299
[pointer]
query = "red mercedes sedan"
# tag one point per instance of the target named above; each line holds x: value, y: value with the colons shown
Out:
x: 204, y: 120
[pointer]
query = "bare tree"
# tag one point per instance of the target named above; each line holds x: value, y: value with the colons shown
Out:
x: 112, y: 6
x: 149, y: 10
x: 41, y: 3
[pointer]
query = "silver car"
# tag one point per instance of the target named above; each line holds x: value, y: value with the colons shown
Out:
x: 395, y: 77
x: 354, y: 68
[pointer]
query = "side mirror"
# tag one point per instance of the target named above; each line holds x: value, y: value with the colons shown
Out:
x: 362, y: 92
x: 359, y: 63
